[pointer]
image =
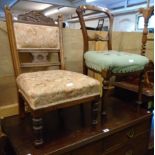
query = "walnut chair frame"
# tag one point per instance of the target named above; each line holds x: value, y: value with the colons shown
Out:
x: 106, y: 74
x: 146, y: 12
x: 131, y: 82
x: 39, y: 19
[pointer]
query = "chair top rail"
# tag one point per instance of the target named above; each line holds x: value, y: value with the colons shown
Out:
x: 96, y: 9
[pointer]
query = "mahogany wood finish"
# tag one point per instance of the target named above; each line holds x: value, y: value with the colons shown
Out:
x: 122, y: 133
x: 5, y: 146
x: 3, y: 139
x: 39, y: 19
x: 105, y: 74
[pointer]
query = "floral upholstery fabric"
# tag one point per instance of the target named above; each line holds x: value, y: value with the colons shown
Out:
x: 36, y: 36
x: 117, y: 62
x: 47, y: 88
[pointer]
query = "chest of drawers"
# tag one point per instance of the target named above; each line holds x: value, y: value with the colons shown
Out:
x: 124, y: 132
x: 132, y: 140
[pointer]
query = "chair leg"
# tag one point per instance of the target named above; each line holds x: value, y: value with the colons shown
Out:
x: 85, y: 69
x: 95, y: 111
x: 21, y: 106
x: 105, y: 87
x: 140, y: 89
x: 38, y: 130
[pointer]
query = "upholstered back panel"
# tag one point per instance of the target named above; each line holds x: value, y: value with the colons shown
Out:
x: 36, y: 36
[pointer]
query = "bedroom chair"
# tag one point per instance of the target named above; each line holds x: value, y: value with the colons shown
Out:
x: 110, y: 62
x: 32, y: 39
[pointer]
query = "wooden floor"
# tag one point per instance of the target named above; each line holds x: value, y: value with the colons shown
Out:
x: 72, y: 134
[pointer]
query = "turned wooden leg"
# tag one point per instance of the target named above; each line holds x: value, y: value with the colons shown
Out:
x: 95, y: 112
x: 21, y: 105
x: 140, y: 90
x: 105, y: 88
x: 38, y: 131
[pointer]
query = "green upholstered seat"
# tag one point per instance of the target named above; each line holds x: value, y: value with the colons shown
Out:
x: 117, y: 62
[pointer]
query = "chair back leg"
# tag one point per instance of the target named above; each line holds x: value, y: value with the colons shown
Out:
x: 21, y: 103
x: 95, y: 111
x: 140, y: 89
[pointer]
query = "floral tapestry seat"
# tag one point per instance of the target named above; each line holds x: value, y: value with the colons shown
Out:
x: 49, y: 88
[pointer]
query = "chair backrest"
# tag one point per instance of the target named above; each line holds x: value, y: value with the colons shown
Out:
x: 33, y: 38
x: 100, y: 24
x: 105, y: 13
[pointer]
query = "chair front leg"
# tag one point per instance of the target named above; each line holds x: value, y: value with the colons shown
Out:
x: 140, y: 89
x: 85, y: 69
x: 95, y: 111
x: 21, y: 105
x: 37, y: 130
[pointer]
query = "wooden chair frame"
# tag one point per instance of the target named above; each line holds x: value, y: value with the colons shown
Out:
x: 37, y: 114
x: 146, y: 12
x: 131, y: 82
x: 105, y: 74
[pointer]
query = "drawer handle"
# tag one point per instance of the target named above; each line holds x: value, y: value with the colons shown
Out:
x: 131, y: 133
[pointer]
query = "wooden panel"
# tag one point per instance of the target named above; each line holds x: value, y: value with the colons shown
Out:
x: 120, y: 142
x: 136, y: 147
x: 126, y: 135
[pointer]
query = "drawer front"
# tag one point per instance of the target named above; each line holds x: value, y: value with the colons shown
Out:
x: 95, y: 148
x: 133, y: 139
x: 138, y: 146
x: 126, y: 135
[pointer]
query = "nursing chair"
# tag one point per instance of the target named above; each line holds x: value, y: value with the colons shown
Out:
x: 109, y: 62
x: 42, y: 91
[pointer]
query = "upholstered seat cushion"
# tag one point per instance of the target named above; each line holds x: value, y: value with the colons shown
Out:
x: 118, y: 62
x: 46, y: 88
